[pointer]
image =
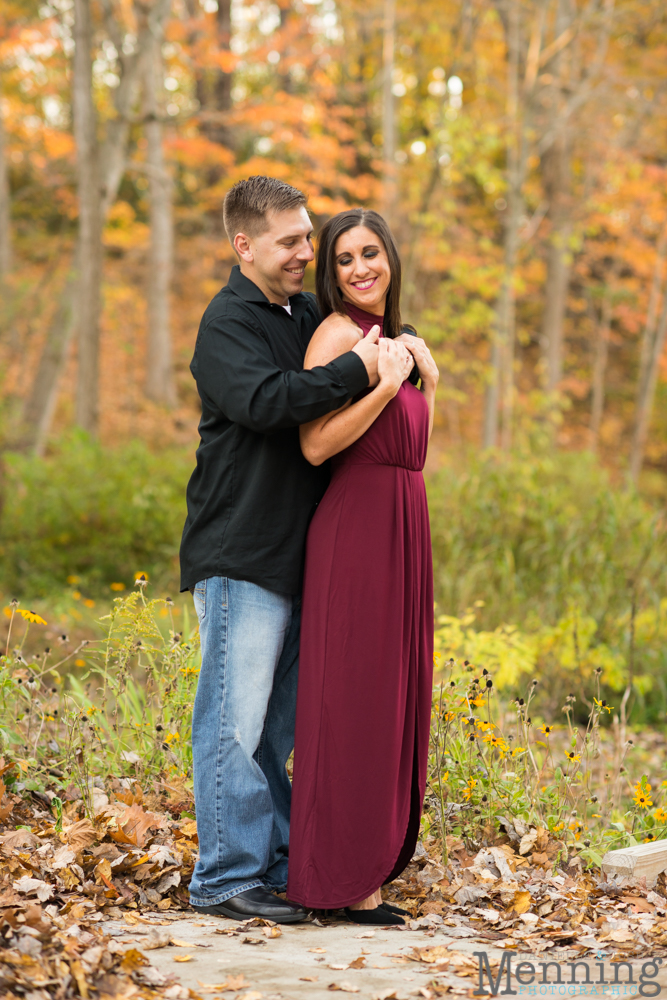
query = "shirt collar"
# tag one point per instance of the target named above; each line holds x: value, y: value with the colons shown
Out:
x: 246, y: 289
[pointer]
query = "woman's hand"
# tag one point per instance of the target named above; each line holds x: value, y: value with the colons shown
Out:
x: 394, y: 365
x: 428, y: 370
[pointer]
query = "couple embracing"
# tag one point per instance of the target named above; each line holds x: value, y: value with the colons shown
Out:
x: 307, y: 550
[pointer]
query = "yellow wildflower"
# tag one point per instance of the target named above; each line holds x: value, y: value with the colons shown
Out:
x: 660, y: 815
x: 117, y: 586
x: 496, y: 742
x: 603, y: 705
x: 642, y: 795
x: 31, y: 616
x: 572, y: 756
x: 547, y: 730
x: 484, y: 726
x: 469, y: 789
x: 517, y: 751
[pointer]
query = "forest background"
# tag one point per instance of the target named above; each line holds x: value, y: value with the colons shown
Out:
x: 519, y: 149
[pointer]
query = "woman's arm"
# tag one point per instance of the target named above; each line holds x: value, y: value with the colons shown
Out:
x: 332, y: 433
x: 428, y: 371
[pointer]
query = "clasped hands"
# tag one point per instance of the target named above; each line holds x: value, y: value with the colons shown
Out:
x: 390, y: 361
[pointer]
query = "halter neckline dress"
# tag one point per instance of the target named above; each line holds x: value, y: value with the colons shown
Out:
x: 366, y: 663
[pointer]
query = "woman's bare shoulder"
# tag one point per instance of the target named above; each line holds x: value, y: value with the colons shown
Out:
x: 334, y: 336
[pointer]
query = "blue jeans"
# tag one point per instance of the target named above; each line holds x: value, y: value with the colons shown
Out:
x: 242, y: 736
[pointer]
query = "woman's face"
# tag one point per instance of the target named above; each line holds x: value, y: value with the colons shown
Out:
x: 362, y: 269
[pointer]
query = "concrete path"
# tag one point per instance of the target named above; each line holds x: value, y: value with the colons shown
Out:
x: 311, y: 961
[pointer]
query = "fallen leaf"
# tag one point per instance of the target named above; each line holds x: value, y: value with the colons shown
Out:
x: 80, y: 835
x: 38, y: 886
x: 431, y: 955
x: 365, y: 934
x: 182, y: 958
x: 252, y: 995
x: 63, y: 857
x: 133, y: 959
x: 308, y: 979
x: 389, y: 994
x: 470, y: 893
x: 639, y: 904
x: 17, y: 839
x: 521, y: 902
x: 339, y: 968
x: 271, y: 932
x: 345, y: 987
x: 359, y: 962
x: 619, y: 935
x: 237, y: 982
x: 156, y: 940
x: 540, y: 859
x: 320, y: 951
x: 527, y: 842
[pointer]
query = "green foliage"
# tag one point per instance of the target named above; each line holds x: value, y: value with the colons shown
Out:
x: 127, y: 715
x: 490, y: 764
x: 533, y: 536
x: 100, y: 514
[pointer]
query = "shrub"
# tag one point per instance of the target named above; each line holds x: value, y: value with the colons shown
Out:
x: 97, y: 514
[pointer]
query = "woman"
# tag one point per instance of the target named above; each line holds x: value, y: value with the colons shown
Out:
x: 366, y: 659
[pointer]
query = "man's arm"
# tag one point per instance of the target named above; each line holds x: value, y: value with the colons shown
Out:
x: 234, y: 368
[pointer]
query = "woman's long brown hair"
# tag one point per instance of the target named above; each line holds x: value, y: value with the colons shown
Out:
x: 328, y: 293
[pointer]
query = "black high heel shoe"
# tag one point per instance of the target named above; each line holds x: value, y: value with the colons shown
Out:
x: 380, y: 916
x: 395, y: 909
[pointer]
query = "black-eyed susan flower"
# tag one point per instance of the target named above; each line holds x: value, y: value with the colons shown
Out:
x: 660, y: 815
x: 469, y: 789
x: 573, y: 757
x: 602, y: 705
x: 31, y: 616
x: 642, y: 794
x: 547, y: 730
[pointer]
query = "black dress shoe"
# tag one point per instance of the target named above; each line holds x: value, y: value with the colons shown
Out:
x: 395, y: 909
x: 258, y: 902
x: 379, y: 916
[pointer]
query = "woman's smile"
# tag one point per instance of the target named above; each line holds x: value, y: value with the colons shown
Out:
x: 362, y: 269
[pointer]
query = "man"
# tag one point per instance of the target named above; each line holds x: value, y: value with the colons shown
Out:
x: 249, y: 503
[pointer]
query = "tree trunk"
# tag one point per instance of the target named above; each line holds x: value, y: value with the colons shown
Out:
x: 644, y: 397
x: 600, y: 363
x: 390, y: 187
x: 89, y: 250
x: 500, y: 392
x: 159, y: 377
x: 41, y: 403
x: 5, y: 205
x: 556, y: 174
x: 645, y: 403
x: 222, y: 87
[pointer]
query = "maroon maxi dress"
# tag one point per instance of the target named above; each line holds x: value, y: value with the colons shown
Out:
x: 366, y: 664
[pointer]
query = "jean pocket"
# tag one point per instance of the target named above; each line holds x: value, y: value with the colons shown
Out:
x: 199, y: 595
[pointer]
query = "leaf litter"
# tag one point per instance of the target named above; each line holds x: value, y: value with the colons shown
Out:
x: 132, y: 862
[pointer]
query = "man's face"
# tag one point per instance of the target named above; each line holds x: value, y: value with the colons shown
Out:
x: 276, y: 259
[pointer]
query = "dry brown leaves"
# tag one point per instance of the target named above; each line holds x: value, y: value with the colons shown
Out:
x: 522, y: 892
x: 48, y: 957
x: 55, y: 887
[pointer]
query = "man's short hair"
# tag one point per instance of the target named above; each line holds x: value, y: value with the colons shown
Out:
x: 247, y: 204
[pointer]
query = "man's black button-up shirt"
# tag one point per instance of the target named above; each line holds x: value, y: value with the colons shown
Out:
x: 253, y: 493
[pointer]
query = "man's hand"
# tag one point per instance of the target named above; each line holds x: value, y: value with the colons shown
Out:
x: 367, y: 349
x: 428, y: 370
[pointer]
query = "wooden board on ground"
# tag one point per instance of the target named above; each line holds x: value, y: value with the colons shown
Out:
x: 643, y: 860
